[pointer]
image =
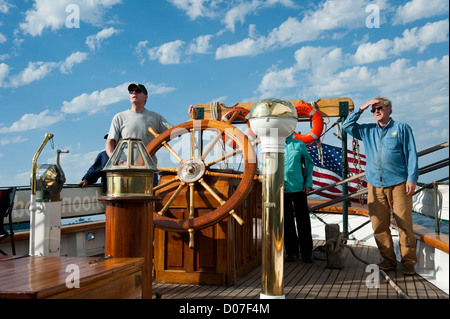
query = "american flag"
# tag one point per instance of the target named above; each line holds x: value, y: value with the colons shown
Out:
x: 331, y: 171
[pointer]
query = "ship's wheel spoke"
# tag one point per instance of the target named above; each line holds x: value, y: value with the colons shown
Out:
x: 191, y: 200
x: 224, y: 157
x: 167, y: 146
x: 221, y: 201
x: 162, y: 185
x: 211, y: 145
x: 192, y: 142
x: 224, y: 175
x: 171, y: 199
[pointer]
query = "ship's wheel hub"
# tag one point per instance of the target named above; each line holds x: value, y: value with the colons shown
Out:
x: 191, y: 171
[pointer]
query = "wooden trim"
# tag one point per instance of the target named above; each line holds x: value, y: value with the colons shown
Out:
x: 429, y: 237
x: 328, y: 106
x: 68, y: 229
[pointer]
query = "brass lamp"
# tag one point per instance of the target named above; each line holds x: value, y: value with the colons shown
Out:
x: 130, y: 170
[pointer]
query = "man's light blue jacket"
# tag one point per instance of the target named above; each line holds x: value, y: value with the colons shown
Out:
x: 391, y: 155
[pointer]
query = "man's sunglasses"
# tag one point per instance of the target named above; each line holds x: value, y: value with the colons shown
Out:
x: 137, y: 91
x: 376, y: 109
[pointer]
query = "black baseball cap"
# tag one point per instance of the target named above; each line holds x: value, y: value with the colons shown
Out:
x: 139, y: 86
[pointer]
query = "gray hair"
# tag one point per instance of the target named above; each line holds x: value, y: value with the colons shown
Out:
x: 386, y: 102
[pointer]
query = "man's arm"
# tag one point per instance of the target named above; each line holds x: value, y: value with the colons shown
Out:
x: 411, y: 159
x: 109, y: 146
x: 350, y: 124
x: 367, y: 104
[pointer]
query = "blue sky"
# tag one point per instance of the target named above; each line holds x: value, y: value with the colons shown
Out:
x: 67, y: 78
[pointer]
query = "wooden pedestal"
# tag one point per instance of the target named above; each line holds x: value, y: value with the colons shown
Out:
x: 223, y: 252
x: 129, y: 233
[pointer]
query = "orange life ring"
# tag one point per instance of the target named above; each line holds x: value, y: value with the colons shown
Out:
x: 304, y: 108
x: 241, y: 116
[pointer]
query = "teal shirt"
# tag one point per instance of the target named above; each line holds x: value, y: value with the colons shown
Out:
x: 295, y: 179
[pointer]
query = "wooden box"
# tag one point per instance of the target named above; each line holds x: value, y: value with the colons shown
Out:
x: 223, y: 252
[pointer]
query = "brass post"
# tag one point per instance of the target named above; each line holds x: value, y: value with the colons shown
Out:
x: 273, y: 226
x: 273, y: 120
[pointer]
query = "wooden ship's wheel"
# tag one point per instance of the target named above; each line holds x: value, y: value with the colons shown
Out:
x: 197, y: 149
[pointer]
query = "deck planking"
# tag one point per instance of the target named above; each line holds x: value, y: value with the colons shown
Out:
x: 316, y: 281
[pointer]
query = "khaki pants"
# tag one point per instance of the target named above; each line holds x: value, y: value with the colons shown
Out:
x: 383, y: 200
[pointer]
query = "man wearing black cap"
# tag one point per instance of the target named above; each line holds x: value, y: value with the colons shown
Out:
x: 135, y: 121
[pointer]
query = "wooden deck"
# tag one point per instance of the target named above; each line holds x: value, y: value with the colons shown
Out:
x: 316, y: 281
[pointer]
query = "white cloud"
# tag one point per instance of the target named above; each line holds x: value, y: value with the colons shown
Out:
x: 174, y: 52
x: 94, y: 41
x: 418, y: 9
x: 45, y: 14
x: 324, y: 60
x: 36, y: 71
x: 246, y: 47
x: 200, y: 45
x: 327, y: 72
x: 415, y: 38
x: 399, y: 79
x: 5, y: 5
x: 334, y: 14
x: 229, y: 12
x: 95, y: 101
x: 98, y: 100
x: 75, y: 58
x: 140, y: 50
x: 238, y: 14
x: 288, y: 34
x: 330, y: 15
x: 168, y: 53
x: 371, y: 52
x: 196, y: 8
x: 50, y: 14
x: 311, y: 62
x: 4, y: 71
x: 14, y: 140
x: 33, y: 121
x: 421, y: 38
x: 276, y: 81
x: 2, y: 38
